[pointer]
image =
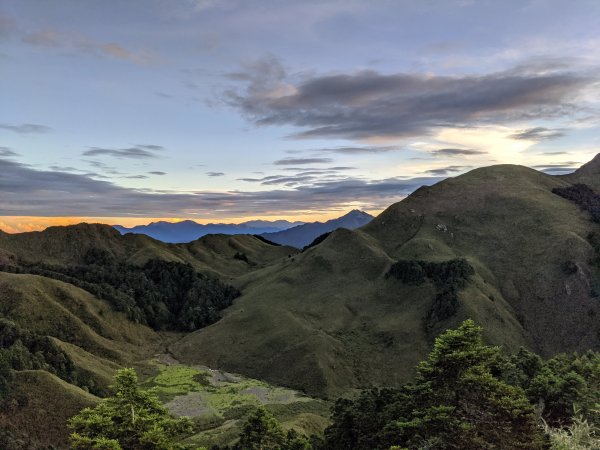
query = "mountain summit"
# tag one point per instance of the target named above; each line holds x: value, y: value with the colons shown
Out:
x: 302, y: 235
x: 497, y: 244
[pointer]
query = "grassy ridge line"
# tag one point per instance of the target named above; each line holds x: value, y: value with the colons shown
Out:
x: 327, y: 321
x: 212, y: 253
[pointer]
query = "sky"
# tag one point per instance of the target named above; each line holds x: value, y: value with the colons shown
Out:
x: 125, y: 112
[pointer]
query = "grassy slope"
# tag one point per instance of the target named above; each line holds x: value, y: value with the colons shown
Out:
x: 72, y: 315
x: 327, y: 320
x: 45, y: 404
x: 219, y: 402
x: 212, y: 253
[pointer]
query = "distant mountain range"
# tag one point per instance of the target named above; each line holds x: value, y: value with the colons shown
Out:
x: 296, y: 234
x: 188, y: 230
x: 302, y: 235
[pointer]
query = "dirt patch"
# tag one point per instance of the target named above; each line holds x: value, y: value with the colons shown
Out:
x: 193, y: 404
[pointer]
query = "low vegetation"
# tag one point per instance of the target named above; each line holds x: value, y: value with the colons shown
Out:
x: 583, y: 196
x: 449, y: 277
x: 162, y: 294
x: 131, y: 419
x: 466, y: 395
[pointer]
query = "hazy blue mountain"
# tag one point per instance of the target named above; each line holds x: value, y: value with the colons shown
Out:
x: 302, y: 235
x: 188, y: 230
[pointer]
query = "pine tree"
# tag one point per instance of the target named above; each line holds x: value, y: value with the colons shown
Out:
x: 132, y: 419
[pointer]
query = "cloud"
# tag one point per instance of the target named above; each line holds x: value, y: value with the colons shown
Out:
x: 457, y: 152
x: 157, y: 172
x: 558, y: 168
x: 215, y: 174
x: 53, y: 38
x: 26, y: 128
x: 137, y: 152
x: 367, y: 150
x: 538, y: 134
x: 6, y: 152
x: 369, y: 104
x: 44, y: 38
x: 299, y: 161
x: 26, y: 191
x: 447, y: 170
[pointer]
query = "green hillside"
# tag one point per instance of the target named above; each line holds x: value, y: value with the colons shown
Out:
x: 69, y: 245
x: 329, y: 319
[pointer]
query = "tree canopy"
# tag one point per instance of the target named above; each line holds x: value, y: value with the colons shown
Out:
x: 132, y: 419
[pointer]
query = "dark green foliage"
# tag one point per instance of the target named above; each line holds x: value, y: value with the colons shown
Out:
x: 161, y: 294
x: 409, y: 272
x: 6, y: 377
x: 132, y: 419
x: 263, y: 432
x: 456, y: 402
x: 569, y: 267
x: 449, y: 277
x: 266, y: 241
x: 317, y: 240
x: 559, y: 385
x: 241, y: 256
x: 583, y: 196
x: 21, y: 349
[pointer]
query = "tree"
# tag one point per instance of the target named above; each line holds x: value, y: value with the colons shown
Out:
x: 456, y: 402
x: 459, y: 402
x: 132, y: 419
x: 263, y: 432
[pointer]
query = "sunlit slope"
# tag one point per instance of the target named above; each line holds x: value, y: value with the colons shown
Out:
x: 329, y: 320
x: 69, y: 314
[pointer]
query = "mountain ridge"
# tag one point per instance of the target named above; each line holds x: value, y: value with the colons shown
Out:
x: 302, y: 235
x: 189, y: 230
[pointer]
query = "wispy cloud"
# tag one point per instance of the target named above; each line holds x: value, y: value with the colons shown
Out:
x: 6, y: 152
x: 299, y: 161
x: 27, y: 191
x: 367, y: 150
x: 137, y: 152
x: 26, y: 128
x: 157, y: 172
x: 215, y: 174
x: 447, y: 170
x: 457, y: 152
x: 53, y: 38
x: 538, y: 134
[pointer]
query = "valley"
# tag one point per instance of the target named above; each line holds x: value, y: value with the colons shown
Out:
x: 224, y: 324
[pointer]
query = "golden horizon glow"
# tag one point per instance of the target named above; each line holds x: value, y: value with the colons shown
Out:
x: 21, y: 224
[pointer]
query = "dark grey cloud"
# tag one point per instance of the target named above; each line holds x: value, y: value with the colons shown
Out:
x: 27, y: 191
x: 26, y: 128
x: 215, y: 174
x: 371, y: 104
x: 538, y: 134
x: 157, y: 172
x: 558, y: 168
x: 447, y: 170
x: 137, y: 152
x: 6, y: 152
x: 457, y: 152
x: 103, y: 167
x: 136, y: 177
x: 299, y: 161
x: 367, y: 150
